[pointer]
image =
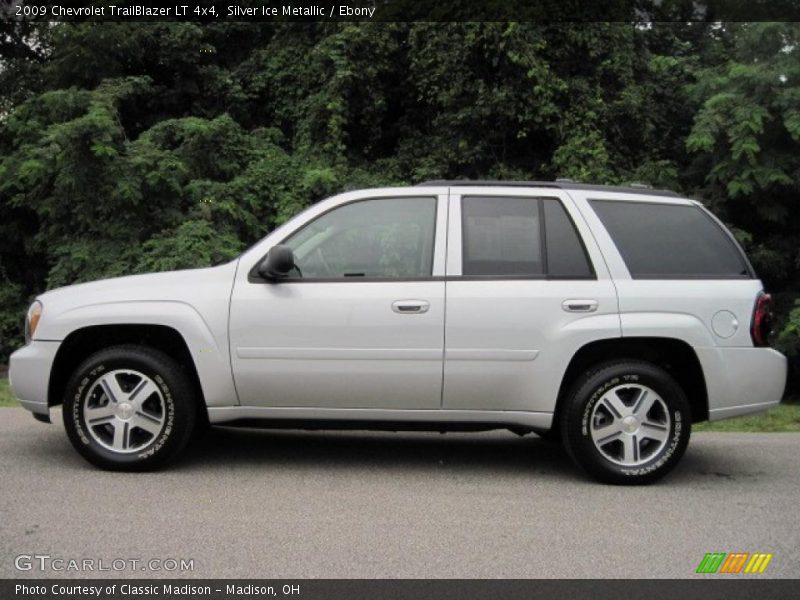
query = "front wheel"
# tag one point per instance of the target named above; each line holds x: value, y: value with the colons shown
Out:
x: 626, y: 422
x: 129, y: 408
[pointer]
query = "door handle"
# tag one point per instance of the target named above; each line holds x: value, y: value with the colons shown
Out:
x: 579, y: 305
x: 410, y: 307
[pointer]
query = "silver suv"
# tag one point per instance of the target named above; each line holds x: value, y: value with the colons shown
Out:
x: 609, y: 318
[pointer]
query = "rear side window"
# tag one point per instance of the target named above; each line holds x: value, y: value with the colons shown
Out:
x: 520, y: 237
x: 502, y: 236
x: 670, y: 241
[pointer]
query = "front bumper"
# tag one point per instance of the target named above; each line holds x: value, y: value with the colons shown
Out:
x: 742, y: 381
x: 29, y: 375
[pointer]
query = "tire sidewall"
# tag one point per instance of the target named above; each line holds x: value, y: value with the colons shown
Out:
x: 169, y: 385
x: 589, y: 394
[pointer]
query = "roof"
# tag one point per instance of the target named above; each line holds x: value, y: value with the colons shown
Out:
x: 558, y: 184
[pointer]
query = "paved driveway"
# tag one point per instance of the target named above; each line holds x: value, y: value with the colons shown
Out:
x: 248, y: 503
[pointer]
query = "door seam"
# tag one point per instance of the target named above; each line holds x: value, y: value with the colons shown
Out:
x: 444, y: 303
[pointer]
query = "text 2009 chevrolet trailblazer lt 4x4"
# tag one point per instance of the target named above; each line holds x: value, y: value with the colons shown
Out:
x: 612, y: 318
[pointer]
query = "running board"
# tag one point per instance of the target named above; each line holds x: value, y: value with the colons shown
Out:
x: 375, y: 418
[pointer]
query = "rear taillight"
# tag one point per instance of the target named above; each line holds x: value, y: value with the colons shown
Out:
x: 761, y: 327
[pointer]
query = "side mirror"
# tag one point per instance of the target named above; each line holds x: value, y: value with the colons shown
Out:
x: 278, y: 263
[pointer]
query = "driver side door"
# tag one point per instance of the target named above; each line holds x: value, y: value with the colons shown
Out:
x: 360, y: 322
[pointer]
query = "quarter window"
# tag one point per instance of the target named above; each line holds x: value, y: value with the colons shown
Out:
x: 381, y: 238
x: 676, y: 241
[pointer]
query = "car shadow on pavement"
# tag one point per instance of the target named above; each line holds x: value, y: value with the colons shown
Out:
x: 712, y: 465
x: 491, y: 453
x: 495, y: 451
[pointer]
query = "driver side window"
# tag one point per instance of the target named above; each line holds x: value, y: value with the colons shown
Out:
x: 382, y: 238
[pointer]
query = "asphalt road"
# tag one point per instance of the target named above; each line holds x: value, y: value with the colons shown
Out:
x: 248, y: 503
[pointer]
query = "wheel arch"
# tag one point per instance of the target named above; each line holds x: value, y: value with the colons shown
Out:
x: 674, y: 355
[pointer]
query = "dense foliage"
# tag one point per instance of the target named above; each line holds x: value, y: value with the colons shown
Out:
x: 136, y: 147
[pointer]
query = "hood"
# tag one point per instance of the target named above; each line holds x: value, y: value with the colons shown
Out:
x: 186, y: 286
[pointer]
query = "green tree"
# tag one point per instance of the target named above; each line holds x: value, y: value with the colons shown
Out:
x: 130, y: 147
x: 746, y: 140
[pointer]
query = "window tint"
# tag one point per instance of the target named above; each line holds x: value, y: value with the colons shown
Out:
x: 385, y: 238
x: 504, y: 236
x: 501, y: 236
x: 668, y: 240
x: 566, y: 256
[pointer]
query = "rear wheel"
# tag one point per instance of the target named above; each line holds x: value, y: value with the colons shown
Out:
x: 129, y: 408
x: 626, y: 422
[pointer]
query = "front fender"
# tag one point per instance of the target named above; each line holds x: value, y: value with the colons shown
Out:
x: 207, y: 346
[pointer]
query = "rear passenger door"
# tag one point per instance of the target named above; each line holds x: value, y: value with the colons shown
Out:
x: 526, y: 288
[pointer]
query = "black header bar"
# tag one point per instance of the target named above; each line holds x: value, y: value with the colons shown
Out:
x: 709, y: 588
x: 545, y: 11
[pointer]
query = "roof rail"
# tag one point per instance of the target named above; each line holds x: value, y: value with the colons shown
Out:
x: 562, y: 184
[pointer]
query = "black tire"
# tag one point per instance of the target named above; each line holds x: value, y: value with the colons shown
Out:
x: 174, y: 398
x: 576, y: 423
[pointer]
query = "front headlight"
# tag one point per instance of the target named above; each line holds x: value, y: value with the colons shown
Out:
x: 32, y: 320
